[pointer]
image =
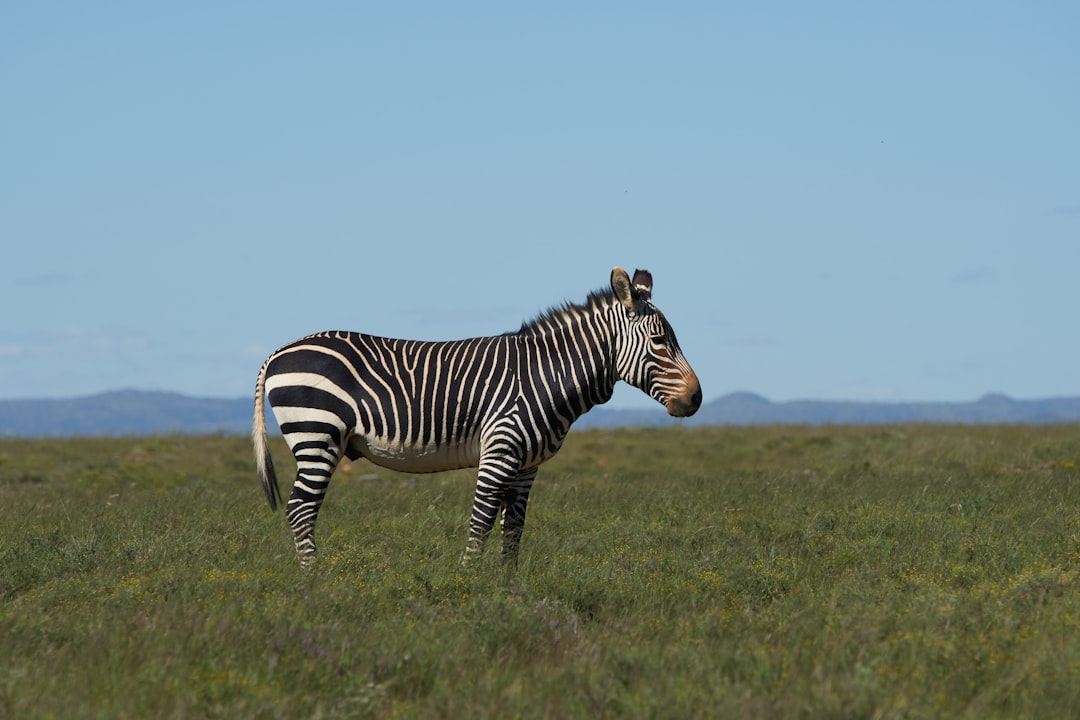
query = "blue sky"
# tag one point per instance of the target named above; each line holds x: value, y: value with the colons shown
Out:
x: 837, y: 200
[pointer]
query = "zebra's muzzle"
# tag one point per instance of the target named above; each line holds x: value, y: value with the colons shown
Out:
x: 687, y: 404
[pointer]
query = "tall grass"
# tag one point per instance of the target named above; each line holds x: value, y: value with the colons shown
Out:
x: 839, y: 572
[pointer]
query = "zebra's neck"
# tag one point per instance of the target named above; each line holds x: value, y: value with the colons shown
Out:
x: 567, y: 359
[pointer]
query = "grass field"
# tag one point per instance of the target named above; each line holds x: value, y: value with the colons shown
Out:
x: 885, y: 572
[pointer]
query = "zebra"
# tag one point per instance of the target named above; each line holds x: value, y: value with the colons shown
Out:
x: 502, y: 404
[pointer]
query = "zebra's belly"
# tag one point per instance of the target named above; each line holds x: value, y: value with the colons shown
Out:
x: 416, y: 458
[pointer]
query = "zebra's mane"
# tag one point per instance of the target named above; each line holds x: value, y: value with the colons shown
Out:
x: 557, y: 316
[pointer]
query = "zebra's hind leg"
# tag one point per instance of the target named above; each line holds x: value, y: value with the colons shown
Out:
x: 513, y: 514
x: 315, y: 463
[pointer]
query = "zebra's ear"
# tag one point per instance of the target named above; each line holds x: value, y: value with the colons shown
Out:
x: 642, y: 285
x: 624, y: 291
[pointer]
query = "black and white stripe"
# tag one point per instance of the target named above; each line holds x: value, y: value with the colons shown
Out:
x: 502, y: 404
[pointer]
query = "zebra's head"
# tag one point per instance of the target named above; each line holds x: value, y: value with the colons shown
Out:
x: 647, y: 354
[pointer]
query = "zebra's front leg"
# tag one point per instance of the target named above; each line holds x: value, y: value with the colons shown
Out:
x: 513, y: 514
x: 493, y: 479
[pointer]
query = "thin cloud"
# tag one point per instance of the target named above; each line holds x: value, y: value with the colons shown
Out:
x: 865, y: 392
x: 973, y: 277
x: 753, y: 342
x: 93, y: 342
x: 1066, y: 210
x: 45, y: 280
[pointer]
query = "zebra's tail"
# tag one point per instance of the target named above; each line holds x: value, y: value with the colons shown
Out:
x: 263, y: 462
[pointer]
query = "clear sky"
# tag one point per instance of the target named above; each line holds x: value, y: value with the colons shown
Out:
x: 839, y: 200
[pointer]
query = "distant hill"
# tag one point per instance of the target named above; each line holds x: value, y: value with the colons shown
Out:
x: 136, y: 412
x: 743, y: 408
x: 126, y: 412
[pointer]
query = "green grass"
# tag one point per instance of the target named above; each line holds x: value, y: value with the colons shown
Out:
x: 770, y: 572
